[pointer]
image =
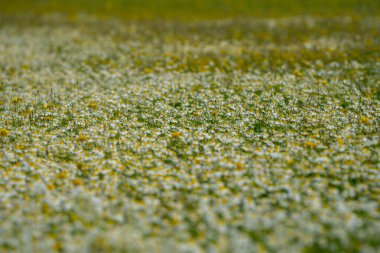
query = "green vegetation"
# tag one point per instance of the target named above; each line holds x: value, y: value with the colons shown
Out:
x: 197, y: 9
x: 224, y: 135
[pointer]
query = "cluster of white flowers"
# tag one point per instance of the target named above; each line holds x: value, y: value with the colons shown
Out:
x: 233, y: 136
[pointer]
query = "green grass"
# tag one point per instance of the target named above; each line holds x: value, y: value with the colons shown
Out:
x: 197, y: 9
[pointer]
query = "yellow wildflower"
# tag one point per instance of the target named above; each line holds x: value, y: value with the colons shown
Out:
x: 82, y: 138
x: 4, y: 132
x: 364, y: 120
x: 310, y: 144
x: 176, y: 134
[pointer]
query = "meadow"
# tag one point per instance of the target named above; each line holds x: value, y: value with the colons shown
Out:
x: 167, y: 126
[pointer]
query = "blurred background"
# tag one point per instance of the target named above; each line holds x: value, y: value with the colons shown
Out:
x: 195, y: 9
